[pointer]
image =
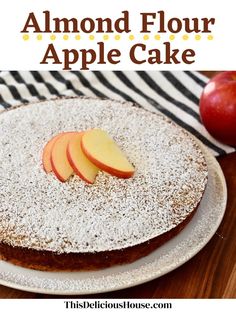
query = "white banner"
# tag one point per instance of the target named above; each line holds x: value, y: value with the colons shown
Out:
x: 179, y: 306
x: 117, y: 35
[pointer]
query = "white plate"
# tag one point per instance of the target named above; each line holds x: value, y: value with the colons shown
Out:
x: 163, y: 260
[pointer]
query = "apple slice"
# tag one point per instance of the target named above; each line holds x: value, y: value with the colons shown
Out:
x: 103, y: 152
x: 78, y: 161
x: 46, y: 157
x: 60, y: 164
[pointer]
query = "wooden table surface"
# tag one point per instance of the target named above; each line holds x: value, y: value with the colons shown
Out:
x: 210, y: 274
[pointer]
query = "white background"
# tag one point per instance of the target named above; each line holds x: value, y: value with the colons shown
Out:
x: 179, y: 306
x: 17, y: 54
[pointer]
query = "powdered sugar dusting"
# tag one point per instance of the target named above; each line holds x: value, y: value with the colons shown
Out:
x: 39, y: 212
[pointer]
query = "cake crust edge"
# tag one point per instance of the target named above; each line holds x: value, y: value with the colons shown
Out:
x: 51, y: 261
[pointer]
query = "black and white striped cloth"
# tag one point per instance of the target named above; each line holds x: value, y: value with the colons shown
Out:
x: 175, y: 94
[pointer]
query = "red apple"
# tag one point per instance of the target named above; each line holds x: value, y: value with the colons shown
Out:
x: 218, y: 107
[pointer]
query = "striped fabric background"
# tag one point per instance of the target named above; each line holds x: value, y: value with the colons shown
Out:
x: 175, y: 94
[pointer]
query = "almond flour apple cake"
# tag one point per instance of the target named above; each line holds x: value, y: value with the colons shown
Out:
x: 49, y: 225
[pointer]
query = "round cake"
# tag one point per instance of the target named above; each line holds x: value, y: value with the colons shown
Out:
x: 49, y: 225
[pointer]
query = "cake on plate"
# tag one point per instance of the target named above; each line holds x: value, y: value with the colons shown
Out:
x: 49, y: 225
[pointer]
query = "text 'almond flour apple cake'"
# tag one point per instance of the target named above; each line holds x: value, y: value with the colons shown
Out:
x: 49, y: 225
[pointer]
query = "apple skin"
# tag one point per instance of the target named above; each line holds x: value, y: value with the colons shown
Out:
x: 54, y: 166
x: 218, y: 107
x: 102, y: 166
x: 73, y: 165
x: 76, y: 170
x: 59, y: 177
x: 46, y: 157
